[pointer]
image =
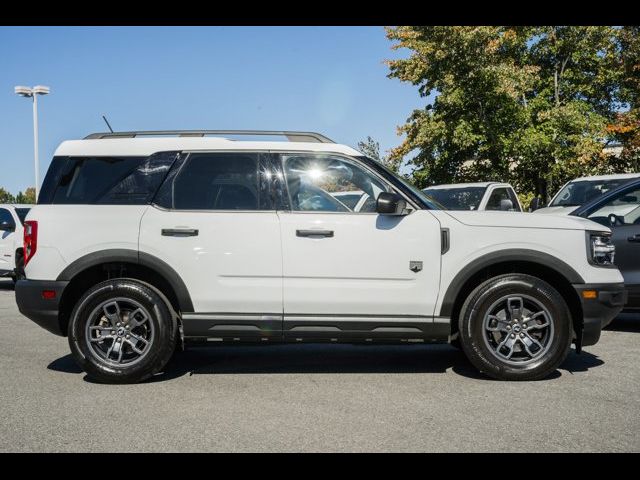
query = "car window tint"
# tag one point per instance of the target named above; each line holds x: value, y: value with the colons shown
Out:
x: 22, y: 213
x: 217, y: 181
x: 6, y: 217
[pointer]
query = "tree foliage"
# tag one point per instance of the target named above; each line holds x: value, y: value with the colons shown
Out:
x: 5, y: 196
x: 531, y: 105
x: 29, y: 196
x: 371, y: 148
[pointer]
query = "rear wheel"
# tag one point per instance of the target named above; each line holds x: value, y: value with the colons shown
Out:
x: 515, y: 327
x: 122, y: 331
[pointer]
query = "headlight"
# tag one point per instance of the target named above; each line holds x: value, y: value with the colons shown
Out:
x: 601, y: 250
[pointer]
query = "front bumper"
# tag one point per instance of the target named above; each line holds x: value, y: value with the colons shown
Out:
x: 598, y: 312
x: 33, y: 305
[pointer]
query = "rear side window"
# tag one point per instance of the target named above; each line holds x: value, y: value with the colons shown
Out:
x: 105, y: 180
x: 6, y: 217
x: 213, y: 181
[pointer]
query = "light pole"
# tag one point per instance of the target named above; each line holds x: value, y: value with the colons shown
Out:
x: 33, y: 93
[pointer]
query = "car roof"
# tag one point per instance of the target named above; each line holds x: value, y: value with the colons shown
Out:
x: 595, y: 203
x: 615, y: 176
x: 148, y: 146
x: 463, y: 185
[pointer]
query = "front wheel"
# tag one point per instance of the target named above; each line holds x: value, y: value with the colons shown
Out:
x: 515, y: 327
x: 122, y: 331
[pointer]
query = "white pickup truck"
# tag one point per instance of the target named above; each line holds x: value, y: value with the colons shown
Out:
x: 479, y: 196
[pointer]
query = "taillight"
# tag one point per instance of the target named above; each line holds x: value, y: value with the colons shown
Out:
x: 30, y: 239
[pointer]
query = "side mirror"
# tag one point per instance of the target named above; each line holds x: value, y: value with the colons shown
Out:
x: 390, y: 204
x: 506, y: 205
x: 535, y: 204
x: 615, y: 220
x: 7, y: 227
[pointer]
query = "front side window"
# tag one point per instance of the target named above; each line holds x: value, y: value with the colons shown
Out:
x: 329, y: 183
x: 625, y: 207
x: 213, y: 181
x: 501, y: 199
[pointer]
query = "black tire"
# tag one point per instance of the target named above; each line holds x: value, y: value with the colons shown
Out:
x: 160, y: 322
x: 477, y: 340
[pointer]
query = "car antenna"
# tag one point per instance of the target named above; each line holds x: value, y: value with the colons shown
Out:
x: 107, y: 122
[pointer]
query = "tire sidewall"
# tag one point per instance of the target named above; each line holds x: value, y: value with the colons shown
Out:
x: 472, y: 326
x: 160, y: 349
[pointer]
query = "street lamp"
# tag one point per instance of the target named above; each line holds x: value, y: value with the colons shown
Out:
x: 33, y: 93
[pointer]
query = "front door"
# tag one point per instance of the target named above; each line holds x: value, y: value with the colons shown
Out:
x: 350, y: 273
x: 212, y: 223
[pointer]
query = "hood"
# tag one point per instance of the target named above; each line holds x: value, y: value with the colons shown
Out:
x: 524, y: 220
x: 559, y: 210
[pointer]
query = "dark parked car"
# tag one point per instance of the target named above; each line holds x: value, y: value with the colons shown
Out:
x: 619, y: 209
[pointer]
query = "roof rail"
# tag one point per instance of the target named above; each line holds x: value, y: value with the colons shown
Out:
x: 291, y: 136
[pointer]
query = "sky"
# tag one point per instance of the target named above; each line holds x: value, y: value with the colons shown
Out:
x: 332, y: 80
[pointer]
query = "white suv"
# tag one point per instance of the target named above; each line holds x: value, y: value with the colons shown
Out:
x: 141, y: 242
x: 11, y: 219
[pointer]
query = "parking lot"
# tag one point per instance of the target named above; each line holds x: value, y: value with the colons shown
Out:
x: 316, y: 398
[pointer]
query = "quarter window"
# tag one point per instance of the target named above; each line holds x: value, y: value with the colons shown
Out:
x: 327, y: 183
x: 105, y: 180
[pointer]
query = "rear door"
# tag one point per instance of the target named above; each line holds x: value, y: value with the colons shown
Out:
x: 213, y: 223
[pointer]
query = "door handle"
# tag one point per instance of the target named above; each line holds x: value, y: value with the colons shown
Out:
x: 634, y: 238
x: 179, y: 232
x: 314, y: 233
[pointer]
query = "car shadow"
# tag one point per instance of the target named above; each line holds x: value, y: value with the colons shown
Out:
x: 326, y: 359
x: 625, y: 322
x: 6, y: 284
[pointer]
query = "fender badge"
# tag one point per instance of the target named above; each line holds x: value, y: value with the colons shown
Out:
x: 415, y: 266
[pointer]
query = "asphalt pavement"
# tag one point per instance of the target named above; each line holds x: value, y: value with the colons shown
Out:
x: 337, y: 398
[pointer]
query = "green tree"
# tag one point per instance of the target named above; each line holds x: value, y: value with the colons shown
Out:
x: 525, y: 104
x: 5, y: 196
x: 29, y: 196
x: 371, y: 149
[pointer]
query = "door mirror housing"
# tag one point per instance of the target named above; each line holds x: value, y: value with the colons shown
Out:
x: 7, y: 227
x: 389, y: 203
x: 535, y: 204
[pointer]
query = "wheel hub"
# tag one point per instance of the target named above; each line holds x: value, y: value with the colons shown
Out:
x: 518, y: 329
x: 120, y: 331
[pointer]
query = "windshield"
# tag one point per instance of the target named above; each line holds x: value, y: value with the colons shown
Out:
x: 582, y: 191
x: 462, y: 198
x: 22, y: 213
